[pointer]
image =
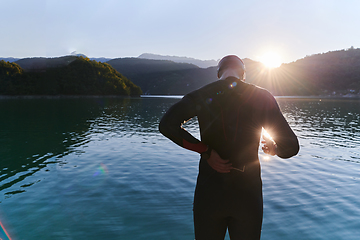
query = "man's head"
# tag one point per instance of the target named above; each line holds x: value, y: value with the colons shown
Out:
x: 231, y: 65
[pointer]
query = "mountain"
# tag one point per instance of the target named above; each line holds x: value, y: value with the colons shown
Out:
x: 101, y: 59
x: 197, y: 62
x: 9, y: 59
x: 175, y: 82
x: 148, y: 74
x: 131, y: 66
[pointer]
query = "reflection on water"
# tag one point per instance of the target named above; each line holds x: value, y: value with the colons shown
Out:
x: 37, y: 132
x: 101, y: 162
x: 326, y: 124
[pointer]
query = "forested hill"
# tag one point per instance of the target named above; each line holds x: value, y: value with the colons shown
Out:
x: 63, y: 76
x: 334, y: 73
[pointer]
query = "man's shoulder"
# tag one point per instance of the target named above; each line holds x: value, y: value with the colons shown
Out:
x: 209, y: 89
x: 256, y: 91
x: 260, y: 98
x: 249, y: 91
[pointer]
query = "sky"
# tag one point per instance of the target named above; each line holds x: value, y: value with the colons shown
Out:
x: 201, y: 29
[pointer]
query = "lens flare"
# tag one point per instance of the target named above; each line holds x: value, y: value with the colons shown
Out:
x: 102, y: 170
x: 4, y: 232
x: 232, y: 85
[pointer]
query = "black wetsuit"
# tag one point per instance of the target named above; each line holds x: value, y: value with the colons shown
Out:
x: 231, y: 115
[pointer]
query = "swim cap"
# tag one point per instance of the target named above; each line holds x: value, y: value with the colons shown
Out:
x: 231, y: 61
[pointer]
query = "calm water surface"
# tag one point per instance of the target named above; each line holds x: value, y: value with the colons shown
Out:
x: 98, y: 168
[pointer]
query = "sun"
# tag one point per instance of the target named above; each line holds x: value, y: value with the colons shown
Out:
x: 271, y: 60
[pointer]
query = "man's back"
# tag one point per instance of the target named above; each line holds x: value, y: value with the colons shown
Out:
x: 231, y: 115
x: 228, y: 121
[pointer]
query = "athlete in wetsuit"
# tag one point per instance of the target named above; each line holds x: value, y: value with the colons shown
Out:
x: 231, y: 115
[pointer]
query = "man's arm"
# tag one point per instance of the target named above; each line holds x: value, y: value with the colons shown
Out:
x: 287, y: 144
x: 171, y: 125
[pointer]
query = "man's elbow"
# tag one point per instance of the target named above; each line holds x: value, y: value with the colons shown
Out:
x: 290, y: 150
x: 294, y: 151
x: 163, y: 127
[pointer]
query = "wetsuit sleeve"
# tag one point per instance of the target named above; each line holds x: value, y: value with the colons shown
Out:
x: 171, y: 125
x: 277, y: 126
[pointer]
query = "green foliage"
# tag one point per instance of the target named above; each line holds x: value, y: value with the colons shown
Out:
x: 77, y: 76
x: 10, y: 74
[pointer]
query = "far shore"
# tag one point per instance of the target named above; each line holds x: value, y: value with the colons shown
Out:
x: 160, y: 96
x: 62, y: 96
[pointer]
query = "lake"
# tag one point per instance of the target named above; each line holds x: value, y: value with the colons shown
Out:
x: 97, y: 168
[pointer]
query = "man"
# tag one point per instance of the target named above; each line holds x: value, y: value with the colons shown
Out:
x: 231, y: 115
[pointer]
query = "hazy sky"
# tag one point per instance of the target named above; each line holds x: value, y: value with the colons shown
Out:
x: 202, y: 29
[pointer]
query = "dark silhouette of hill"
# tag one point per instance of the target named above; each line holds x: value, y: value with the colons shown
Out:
x: 101, y: 59
x: 278, y: 81
x: 197, y: 62
x: 336, y: 72
x: 162, y: 76
x: 68, y: 75
x: 134, y: 66
x: 177, y: 82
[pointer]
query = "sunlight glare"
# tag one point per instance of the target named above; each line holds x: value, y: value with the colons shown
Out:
x: 266, y: 135
x: 271, y: 60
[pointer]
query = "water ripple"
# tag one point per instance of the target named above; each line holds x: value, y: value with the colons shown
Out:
x: 80, y: 164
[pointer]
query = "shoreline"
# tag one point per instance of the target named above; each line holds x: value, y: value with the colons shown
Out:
x: 321, y: 97
x: 62, y: 96
x: 355, y: 97
x: 277, y: 97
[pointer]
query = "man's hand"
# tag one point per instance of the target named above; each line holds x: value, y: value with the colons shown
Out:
x: 218, y: 164
x: 269, y: 146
